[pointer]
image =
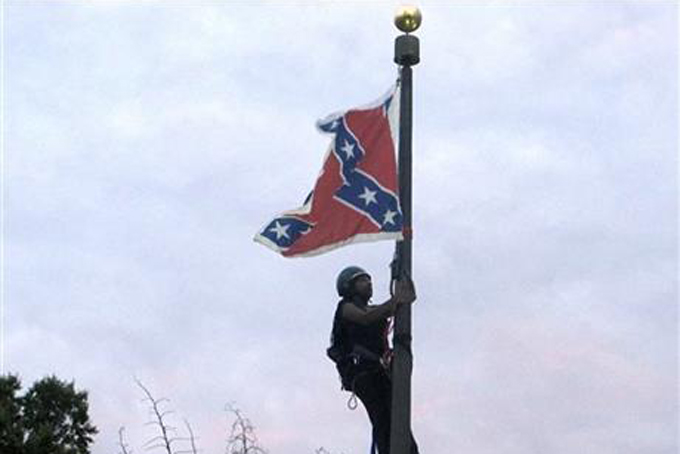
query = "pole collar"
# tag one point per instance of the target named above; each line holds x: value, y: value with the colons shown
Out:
x: 406, y: 50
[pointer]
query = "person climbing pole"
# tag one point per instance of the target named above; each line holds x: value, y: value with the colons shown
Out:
x: 360, y: 347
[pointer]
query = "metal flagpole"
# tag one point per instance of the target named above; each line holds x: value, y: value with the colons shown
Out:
x: 406, y: 54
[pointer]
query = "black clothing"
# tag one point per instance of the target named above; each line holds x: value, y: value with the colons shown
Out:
x: 357, y: 350
x: 348, y: 334
x: 375, y: 392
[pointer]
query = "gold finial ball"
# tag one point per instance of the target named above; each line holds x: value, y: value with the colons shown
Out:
x: 408, y: 18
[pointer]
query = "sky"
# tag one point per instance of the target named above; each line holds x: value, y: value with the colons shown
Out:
x: 146, y: 142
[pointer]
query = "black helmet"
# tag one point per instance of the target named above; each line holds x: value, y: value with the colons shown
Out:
x: 346, y: 277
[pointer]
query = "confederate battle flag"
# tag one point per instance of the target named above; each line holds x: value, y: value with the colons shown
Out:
x: 355, y: 197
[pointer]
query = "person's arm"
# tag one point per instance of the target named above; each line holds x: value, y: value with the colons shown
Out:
x: 404, y: 293
x: 369, y: 314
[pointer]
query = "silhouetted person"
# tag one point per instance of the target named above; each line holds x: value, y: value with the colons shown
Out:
x: 360, y: 347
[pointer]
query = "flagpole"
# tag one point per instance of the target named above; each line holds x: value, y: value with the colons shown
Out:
x: 406, y: 54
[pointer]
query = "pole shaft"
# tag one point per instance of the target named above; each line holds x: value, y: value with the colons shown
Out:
x: 402, y: 366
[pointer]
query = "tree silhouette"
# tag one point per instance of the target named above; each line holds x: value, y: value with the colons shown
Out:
x: 52, y: 417
x: 166, y: 439
x: 242, y: 438
x: 11, y: 426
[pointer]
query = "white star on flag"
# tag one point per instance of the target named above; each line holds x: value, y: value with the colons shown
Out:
x: 369, y: 196
x: 280, y: 230
x: 348, y: 148
x: 389, y: 217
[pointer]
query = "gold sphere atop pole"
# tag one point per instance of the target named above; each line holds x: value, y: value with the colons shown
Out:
x: 408, y: 18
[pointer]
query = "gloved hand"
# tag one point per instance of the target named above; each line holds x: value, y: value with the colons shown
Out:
x: 404, y: 291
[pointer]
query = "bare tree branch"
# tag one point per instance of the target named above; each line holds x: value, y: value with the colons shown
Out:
x: 121, y: 442
x: 242, y: 439
x: 321, y: 450
x: 164, y: 437
x: 192, y: 439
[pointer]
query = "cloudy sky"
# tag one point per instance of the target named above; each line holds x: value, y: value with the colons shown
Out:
x: 146, y: 142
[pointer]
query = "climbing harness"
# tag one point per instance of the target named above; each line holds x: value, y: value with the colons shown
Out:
x: 352, y: 403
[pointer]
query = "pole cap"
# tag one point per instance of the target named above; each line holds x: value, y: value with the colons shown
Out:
x: 408, y: 18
